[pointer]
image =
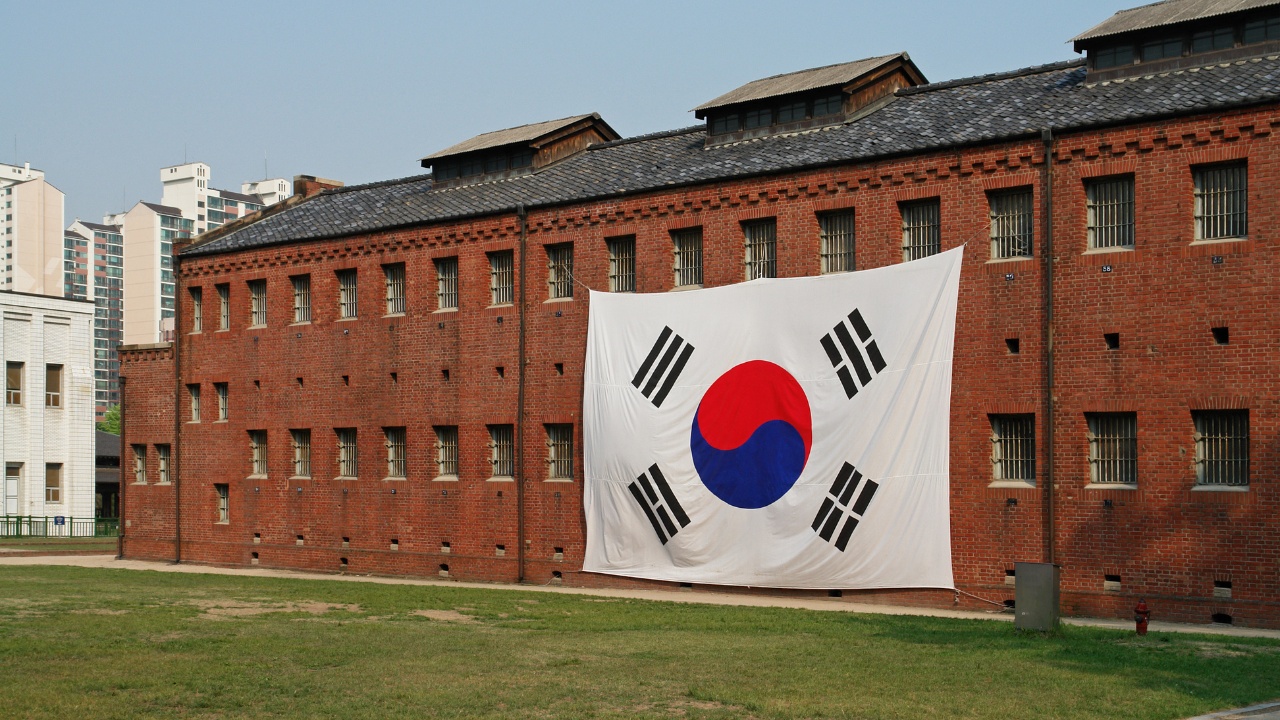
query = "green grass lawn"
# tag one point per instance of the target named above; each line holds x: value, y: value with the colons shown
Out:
x: 43, y: 544
x: 85, y: 643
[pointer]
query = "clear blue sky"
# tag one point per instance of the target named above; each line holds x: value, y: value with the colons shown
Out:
x: 102, y: 95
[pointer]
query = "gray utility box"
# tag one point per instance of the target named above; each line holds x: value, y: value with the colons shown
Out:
x: 1036, y: 596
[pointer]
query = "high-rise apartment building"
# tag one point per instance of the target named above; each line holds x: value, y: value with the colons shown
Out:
x: 107, y: 284
x: 186, y: 187
x: 75, y: 265
x: 149, y: 232
x: 31, y: 225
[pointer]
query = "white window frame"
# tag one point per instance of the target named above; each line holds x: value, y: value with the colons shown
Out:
x: 1221, y: 201
x: 921, y: 228
x: 837, y: 233
x: 686, y: 247
x: 447, y: 283
x: 1110, y: 209
x: 257, y: 303
x: 301, y: 439
x: 397, y: 452
x: 502, y: 276
x: 622, y: 263
x: 1012, y: 215
x: 560, y: 271
x: 1222, y: 448
x: 502, y: 459
x: 560, y: 452
x: 348, y: 294
x: 394, y: 274
x: 258, y: 453
x: 301, y: 298
x: 1113, y: 448
x: 1013, y: 448
x: 760, y: 248
x: 446, y: 451
x: 224, y: 306
x: 348, y: 452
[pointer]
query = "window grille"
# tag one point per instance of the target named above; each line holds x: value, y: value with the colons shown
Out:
x: 394, y: 275
x: 13, y: 383
x: 1113, y: 448
x: 559, y: 271
x: 53, y: 386
x: 347, y: 294
x: 501, y: 442
x: 447, y: 451
x: 224, y: 307
x: 1012, y: 223
x: 224, y: 497
x: 1013, y: 447
x: 1222, y: 205
x: 301, y: 452
x: 223, y: 405
x: 301, y: 298
x: 1222, y: 447
x: 622, y: 264
x: 257, y: 451
x: 53, y: 483
x: 193, y: 391
x: 257, y: 302
x: 197, y: 310
x: 162, y: 464
x: 396, y: 452
x: 921, y: 229
x: 560, y: 452
x: 140, y: 463
x: 688, y: 257
x: 761, y: 239
x: 447, y: 284
x: 1110, y: 210
x: 836, y: 234
x: 347, y: 455
x: 502, y: 278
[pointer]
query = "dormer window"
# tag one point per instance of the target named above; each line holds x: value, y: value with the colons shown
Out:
x: 516, y: 151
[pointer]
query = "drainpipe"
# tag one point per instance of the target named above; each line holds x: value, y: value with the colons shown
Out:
x: 523, y: 216
x: 120, y: 472
x: 1046, y: 137
x: 174, y: 450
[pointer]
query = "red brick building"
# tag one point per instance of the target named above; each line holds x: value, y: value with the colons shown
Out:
x: 388, y: 378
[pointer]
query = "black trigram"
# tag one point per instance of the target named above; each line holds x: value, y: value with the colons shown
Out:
x: 853, y: 350
x: 660, y: 506
x: 647, y: 382
x: 836, y: 506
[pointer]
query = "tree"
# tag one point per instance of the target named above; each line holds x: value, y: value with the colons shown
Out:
x: 111, y: 420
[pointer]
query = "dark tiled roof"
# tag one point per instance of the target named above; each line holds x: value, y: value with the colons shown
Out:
x: 73, y: 233
x: 106, y: 444
x: 229, y: 195
x: 925, y: 118
x: 1169, y: 12
x: 101, y: 228
x: 813, y: 79
x: 163, y: 209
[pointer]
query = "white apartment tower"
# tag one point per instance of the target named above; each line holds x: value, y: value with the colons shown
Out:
x: 31, y: 224
x: 187, y: 188
x: 107, y: 283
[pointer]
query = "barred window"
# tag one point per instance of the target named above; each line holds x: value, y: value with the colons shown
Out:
x: 1110, y: 209
x: 502, y: 445
x: 1113, y: 448
x: 447, y: 283
x: 1012, y: 223
x: 301, y: 452
x: 921, y: 228
x: 622, y: 264
x: 688, y: 256
x: 258, y: 451
x: 140, y: 464
x: 13, y: 383
x: 223, y: 492
x: 348, y: 465
x: 1222, y: 447
x: 347, y: 294
x: 224, y: 306
x: 836, y: 235
x: 394, y: 274
x: 162, y: 463
x: 1013, y: 448
x: 257, y: 302
x: 301, y: 298
x: 559, y: 271
x: 447, y: 450
x: 1222, y: 204
x: 223, y: 404
x: 502, y: 278
x: 193, y: 392
x: 397, y: 449
x: 197, y: 309
x: 53, y: 386
x: 53, y: 483
x: 559, y: 452
x: 761, y: 240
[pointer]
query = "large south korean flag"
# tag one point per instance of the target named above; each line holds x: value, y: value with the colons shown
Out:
x: 788, y: 433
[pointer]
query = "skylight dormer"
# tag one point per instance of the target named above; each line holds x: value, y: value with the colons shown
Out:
x: 516, y: 151
x: 1177, y: 34
x: 806, y: 99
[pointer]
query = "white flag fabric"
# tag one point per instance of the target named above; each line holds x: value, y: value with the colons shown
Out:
x: 789, y: 433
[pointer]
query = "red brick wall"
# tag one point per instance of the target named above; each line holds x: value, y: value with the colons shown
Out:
x: 1167, y: 542
x: 148, y: 510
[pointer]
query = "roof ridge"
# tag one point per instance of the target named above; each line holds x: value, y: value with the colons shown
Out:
x: 378, y: 183
x: 649, y: 136
x: 993, y: 77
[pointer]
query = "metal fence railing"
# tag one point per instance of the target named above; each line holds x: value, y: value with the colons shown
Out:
x: 56, y: 526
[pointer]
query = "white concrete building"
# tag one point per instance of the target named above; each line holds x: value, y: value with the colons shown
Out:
x: 31, y: 212
x: 187, y: 188
x: 47, y: 431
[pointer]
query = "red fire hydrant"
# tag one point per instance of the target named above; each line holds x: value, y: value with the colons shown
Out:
x: 1142, y: 616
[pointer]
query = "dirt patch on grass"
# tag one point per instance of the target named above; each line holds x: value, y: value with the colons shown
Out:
x: 446, y: 616
x: 99, y: 611
x: 226, y: 608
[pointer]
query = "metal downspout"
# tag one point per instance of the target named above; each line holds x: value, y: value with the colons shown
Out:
x: 120, y: 471
x: 175, y: 449
x: 1051, y: 528
x: 523, y: 216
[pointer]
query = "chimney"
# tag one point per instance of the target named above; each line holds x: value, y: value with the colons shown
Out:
x: 308, y: 185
